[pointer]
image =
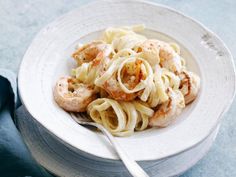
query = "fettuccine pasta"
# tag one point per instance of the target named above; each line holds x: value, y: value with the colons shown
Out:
x: 127, y: 82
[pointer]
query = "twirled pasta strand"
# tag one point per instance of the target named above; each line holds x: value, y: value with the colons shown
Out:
x: 120, y: 118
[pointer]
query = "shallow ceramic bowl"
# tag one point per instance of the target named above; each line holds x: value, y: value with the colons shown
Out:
x: 48, y: 58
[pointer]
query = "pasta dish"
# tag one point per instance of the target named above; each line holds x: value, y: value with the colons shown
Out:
x: 127, y: 82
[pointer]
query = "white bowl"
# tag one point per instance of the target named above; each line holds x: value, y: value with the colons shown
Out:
x: 63, y: 160
x: 48, y: 58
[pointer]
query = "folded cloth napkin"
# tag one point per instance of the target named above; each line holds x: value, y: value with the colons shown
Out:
x: 15, y: 158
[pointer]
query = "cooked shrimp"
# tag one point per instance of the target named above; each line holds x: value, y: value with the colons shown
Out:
x: 92, y: 51
x: 111, y: 86
x: 168, y: 111
x: 73, y: 96
x: 122, y: 85
x: 159, y: 52
x: 133, y: 73
x: 189, y: 85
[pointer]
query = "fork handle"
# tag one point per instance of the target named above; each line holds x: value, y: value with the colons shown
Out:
x: 132, y: 166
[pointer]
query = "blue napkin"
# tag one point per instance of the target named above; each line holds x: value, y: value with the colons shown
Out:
x: 15, y: 158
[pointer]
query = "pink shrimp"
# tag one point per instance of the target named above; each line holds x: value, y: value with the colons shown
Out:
x: 168, y: 111
x: 73, y: 96
x: 92, y: 52
x: 189, y: 85
x: 159, y: 52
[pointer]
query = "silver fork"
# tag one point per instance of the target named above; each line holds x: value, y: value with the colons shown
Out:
x: 132, y: 166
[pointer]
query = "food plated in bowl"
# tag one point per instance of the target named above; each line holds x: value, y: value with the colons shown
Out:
x: 49, y: 58
x: 127, y: 82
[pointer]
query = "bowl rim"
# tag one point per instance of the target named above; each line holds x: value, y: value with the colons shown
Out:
x: 225, y: 109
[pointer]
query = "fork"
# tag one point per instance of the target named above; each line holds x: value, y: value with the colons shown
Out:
x: 132, y: 166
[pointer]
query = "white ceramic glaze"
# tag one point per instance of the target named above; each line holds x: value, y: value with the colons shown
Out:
x: 61, y: 160
x: 48, y: 58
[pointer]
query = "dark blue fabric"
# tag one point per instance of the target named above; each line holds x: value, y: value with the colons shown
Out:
x: 15, y: 158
